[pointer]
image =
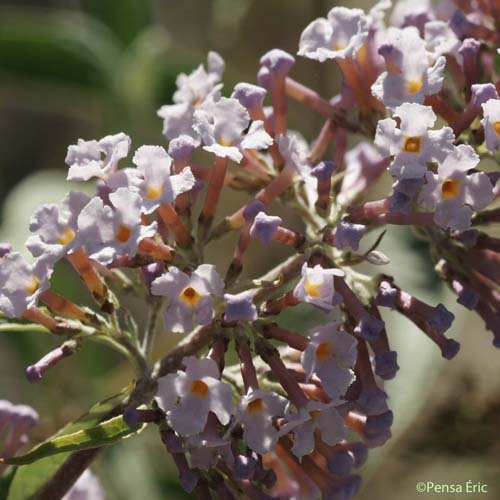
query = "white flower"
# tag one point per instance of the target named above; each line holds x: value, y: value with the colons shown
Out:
x: 188, y: 396
x: 156, y: 185
x: 21, y: 283
x: 339, y: 36
x: 330, y: 355
x: 88, y: 159
x: 190, y: 297
x: 316, y: 287
x: 441, y: 40
x: 87, y: 487
x: 256, y: 411
x: 412, y: 144
x: 107, y: 232
x: 315, y: 415
x: 221, y: 125
x: 54, y: 227
x: 192, y: 90
x: 491, y: 124
x: 409, y: 77
x: 454, y: 193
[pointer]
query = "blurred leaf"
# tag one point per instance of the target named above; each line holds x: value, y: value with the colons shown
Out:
x: 104, y: 434
x: 143, y: 65
x: 66, y: 47
x: 6, y: 481
x: 30, y: 478
x: 126, y: 18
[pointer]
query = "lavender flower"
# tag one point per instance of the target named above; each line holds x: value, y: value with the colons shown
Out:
x: 189, y: 396
x: 190, y: 298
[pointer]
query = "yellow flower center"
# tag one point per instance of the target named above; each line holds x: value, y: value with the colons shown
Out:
x: 340, y: 45
x: 450, y: 188
x: 123, y: 233
x: 199, y: 388
x: 154, y: 192
x: 496, y: 126
x: 225, y: 142
x: 312, y: 289
x: 413, y: 86
x: 314, y: 415
x: 67, y: 237
x: 33, y: 286
x: 412, y: 144
x: 323, y: 351
x: 190, y: 296
x: 256, y: 406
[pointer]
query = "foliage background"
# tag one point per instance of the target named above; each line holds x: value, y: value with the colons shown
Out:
x: 87, y: 68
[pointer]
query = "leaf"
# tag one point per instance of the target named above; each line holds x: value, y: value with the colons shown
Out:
x: 30, y: 478
x: 6, y: 481
x: 104, y: 434
x: 66, y: 47
x: 126, y: 18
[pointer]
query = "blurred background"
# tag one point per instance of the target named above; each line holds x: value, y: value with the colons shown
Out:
x: 88, y: 68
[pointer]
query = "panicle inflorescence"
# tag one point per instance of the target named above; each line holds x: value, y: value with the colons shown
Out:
x: 296, y: 414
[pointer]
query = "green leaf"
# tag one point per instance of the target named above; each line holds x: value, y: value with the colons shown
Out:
x: 6, y: 481
x: 30, y: 478
x: 104, y: 434
x: 65, y: 47
x: 126, y: 18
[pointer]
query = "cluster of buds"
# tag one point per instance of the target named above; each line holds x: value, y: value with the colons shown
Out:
x: 295, y: 417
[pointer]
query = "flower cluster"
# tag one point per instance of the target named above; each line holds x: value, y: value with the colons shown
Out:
x: 295, y: 417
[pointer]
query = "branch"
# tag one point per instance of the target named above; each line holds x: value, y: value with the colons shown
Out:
x: 66, y: 476
x: 189, y: 346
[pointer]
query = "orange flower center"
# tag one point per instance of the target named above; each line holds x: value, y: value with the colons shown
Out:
x: 67, y: 237
x: 312, y: 289
x: 450, y: 188
x: 256, y: 406
x: 225, y: 142
x: 33, y: 286
x: 323, y: 351
x: 496, y: 126
x: 123, y: 233
x: 314, y: 415
x: 154, y: 192
x: 190, y: 296
x: 412, y: 144
x: 413, y: 86
x: 199, y: 388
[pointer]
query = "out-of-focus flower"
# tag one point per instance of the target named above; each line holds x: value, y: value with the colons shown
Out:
x: 338, y: 36
x: 192, y: 90
x: 87, y: 487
